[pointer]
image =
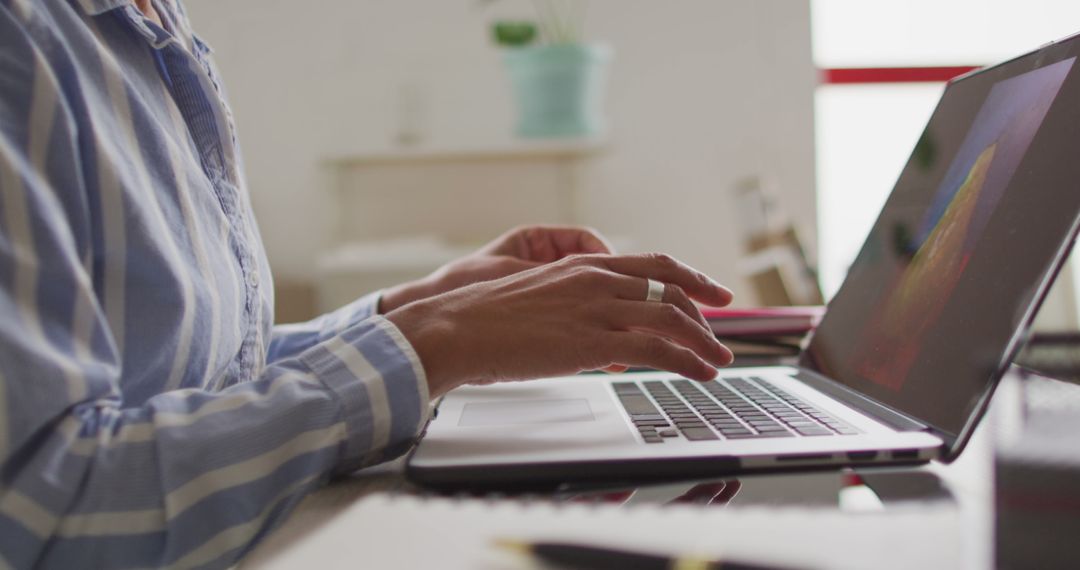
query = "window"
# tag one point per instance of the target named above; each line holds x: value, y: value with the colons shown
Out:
x: 867, y: 128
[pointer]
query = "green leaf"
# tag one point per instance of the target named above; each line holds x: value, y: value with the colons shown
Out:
x: 514, y: 34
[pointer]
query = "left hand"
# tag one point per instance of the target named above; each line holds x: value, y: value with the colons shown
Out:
x: 519, y: 249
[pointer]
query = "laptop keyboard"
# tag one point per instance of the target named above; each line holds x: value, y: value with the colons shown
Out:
x: 732, y: 408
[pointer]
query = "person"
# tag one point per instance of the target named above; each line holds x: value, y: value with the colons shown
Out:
x: 152, y: 413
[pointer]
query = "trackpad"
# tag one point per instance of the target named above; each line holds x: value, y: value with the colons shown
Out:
x: 525, y: 412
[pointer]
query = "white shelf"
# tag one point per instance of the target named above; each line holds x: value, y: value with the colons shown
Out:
x: 512, y: 150
x: 391, y: 223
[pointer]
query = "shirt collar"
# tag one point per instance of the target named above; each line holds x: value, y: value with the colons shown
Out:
x: 157, y: 37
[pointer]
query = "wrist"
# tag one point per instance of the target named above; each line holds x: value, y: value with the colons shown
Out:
x: 403, y: 294
x: 434, y: 340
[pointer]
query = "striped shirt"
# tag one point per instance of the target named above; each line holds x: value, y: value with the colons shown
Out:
x: 150, y: 413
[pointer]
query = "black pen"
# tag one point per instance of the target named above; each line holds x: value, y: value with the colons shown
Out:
x: 582, y: 557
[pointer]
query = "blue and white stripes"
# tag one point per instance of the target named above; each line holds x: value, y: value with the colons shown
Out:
x: 150, y: 414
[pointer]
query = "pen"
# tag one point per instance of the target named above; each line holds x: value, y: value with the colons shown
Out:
x: 582, y: 557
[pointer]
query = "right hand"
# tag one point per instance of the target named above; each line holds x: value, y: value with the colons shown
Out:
x: 585, y: 312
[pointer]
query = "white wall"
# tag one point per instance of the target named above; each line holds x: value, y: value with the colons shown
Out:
x: 703, y: 93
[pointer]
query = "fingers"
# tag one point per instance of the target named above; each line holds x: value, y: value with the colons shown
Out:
x: 636, y: 289
x: 665, y: 268
x: 588, y: 240
x: 672, y: 323
x: 552, y: 243
x: 675, y: 295
x: 643, y: 349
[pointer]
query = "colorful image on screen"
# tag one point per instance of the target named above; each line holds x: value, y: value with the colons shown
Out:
x: 943, y: 242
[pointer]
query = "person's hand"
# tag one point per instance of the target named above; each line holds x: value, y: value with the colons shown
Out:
x: 585, y: 312
x: 516, y: 250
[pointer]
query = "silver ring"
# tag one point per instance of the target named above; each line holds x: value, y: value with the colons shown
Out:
x: 656, y: 291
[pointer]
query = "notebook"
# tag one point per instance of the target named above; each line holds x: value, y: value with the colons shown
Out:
x: 394, y: 531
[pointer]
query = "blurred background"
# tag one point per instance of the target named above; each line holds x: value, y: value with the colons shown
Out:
x: 754, y: 139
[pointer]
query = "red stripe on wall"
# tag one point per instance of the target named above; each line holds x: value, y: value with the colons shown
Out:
x: 892, y: 74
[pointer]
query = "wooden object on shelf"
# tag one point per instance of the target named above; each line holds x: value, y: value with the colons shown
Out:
x: 778, y: 270
x: 774, y: 262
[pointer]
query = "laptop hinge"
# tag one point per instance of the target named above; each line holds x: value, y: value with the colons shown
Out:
x: 888, y: 416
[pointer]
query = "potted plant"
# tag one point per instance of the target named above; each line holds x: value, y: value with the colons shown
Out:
x: 557, y: 79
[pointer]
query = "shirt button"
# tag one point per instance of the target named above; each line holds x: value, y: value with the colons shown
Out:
x: 253, y: 279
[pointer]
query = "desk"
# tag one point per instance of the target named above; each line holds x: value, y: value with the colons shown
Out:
x: 934, y: 516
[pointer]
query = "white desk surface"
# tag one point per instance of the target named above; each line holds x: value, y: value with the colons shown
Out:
x: 365, y: 522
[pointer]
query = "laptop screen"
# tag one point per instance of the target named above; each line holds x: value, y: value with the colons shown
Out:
x: 976, y: 224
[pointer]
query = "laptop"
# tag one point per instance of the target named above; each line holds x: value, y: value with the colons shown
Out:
x: 901, y: 366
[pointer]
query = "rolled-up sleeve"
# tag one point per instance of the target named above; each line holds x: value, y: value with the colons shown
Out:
x: 380, y: 382
x: 191, y: 478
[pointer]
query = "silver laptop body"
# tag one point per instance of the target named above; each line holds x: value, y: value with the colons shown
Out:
x: 904, y: 361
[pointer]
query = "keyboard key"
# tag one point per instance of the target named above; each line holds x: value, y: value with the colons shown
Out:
x: 654, y: 439
x: 813, y: 431
x: 698, y: 433
x: 646, y: 416
x: 638, y: 405
x: 784, y: 433
x: 745, y: 435
x: 668, y: 433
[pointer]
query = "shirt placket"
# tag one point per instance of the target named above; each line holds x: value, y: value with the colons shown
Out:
x: 189, y: 79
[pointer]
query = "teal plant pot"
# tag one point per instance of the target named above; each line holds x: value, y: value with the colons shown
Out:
x: 559, y: 89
